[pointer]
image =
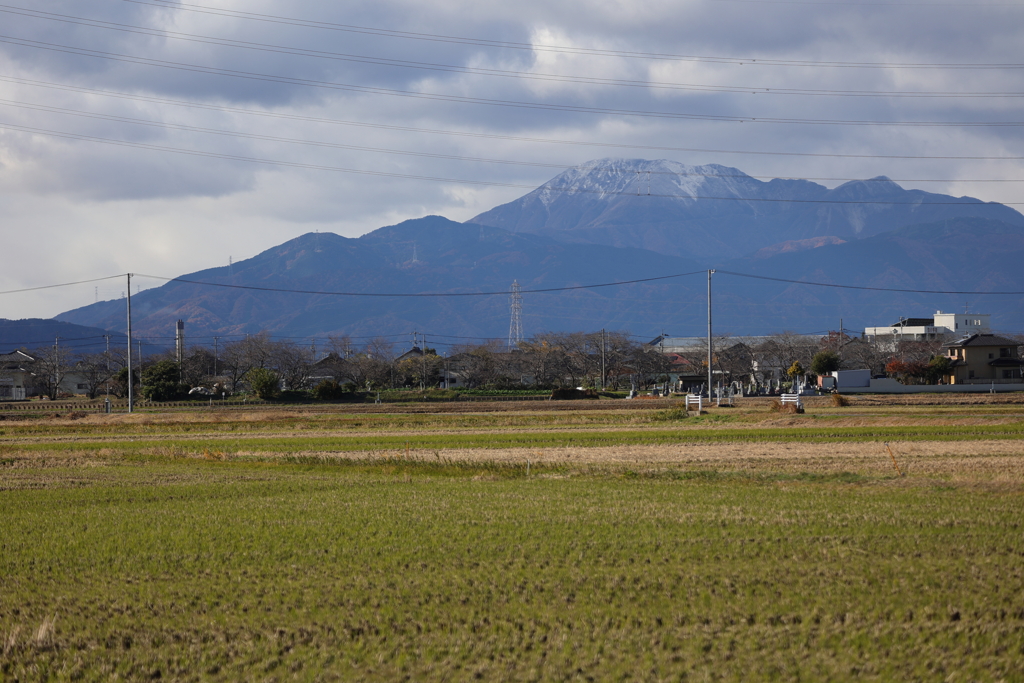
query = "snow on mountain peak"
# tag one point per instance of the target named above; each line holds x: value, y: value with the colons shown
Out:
x: 605, y: 179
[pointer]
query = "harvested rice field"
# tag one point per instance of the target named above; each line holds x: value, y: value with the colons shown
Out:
x: 602, y: 541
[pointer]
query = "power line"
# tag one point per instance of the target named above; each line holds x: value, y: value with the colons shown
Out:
x: 64, y: 284
x: 450, y: 157
x: 461, y: 99
x: 872, y: 289
x: 524, y: 291
x: 532, y: 47
x: 486, y: 183
x: 479, y: 135
x: 481, y: 71
x: 416, y: 295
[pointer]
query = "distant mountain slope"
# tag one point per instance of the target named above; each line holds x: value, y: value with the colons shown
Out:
x: 33, y: 333
x: 715, y: 212
x: 434, y: 254
x: 431, y: 254
x: 961, y: 254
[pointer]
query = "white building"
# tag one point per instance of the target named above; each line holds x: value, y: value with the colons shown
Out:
x: 929, y: 329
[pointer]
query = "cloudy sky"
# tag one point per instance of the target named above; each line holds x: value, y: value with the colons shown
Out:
x: 162, y: 137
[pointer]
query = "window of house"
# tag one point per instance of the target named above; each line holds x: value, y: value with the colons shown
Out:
x: 991, y: 356
x: 970, y: 375
x: 1004, y: 353
x: 1007, y: 374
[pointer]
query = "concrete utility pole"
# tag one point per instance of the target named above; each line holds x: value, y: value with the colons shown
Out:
x: 602, y: 360
x: 710, y: 348
x: 423, y: 357
x: 131, y: 396
x: 140, y: 364
x: 840, y: 352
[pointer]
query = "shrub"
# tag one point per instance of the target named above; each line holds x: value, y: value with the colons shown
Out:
x: 265, y: 383
x: 328, y: 390
x: 571, y: 394
x: 160, y: 382
x: 825, y: 362
x: 677, y: 412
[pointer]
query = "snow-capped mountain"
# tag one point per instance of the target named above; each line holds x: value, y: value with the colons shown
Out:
x: 718, y: 212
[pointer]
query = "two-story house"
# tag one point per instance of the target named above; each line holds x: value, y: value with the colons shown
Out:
x: 983, y: 358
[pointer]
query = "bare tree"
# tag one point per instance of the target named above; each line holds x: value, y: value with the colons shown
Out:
x: 648, y: 363
x: 293, y: 364
x: 197, y: 367
x: 478, y: 364
x: 51, y: 367
x: 542, y: 360
x: 96, y: 371
x: 241, y: 356
x: 377, y: 363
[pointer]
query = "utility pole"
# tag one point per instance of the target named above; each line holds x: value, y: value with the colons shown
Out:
x: 131, y: 396
x: 140, y: 365
x: 602, y: 360
x: 840, y: 352
x: 215, y: 340
x: 56, y: 366
x: 106, y: 382
x: 710, y: 348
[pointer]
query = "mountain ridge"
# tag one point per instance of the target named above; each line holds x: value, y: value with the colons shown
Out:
x: 341, y: 285
x: 719, y: 212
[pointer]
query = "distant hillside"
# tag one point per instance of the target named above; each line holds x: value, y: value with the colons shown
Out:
x: 965, y: 254
x: 32, y: 333
x: 431, y: 254
x: 436, y: 255
x: 714, y: 213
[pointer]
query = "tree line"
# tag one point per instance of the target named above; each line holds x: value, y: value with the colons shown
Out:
x: 612, y: 360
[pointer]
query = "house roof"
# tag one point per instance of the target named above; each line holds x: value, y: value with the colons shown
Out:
x: 976, y: 340
x: 16, y: 357
x: 914, y: 322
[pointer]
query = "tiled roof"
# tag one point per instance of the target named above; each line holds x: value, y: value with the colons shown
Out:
x: 981, y: 340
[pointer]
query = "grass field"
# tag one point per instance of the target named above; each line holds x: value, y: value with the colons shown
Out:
x: 515, y: 545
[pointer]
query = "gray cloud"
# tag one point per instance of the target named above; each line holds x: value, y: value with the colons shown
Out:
x: 78, y: 208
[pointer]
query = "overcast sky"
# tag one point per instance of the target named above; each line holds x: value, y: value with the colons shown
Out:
x: 162, y: 138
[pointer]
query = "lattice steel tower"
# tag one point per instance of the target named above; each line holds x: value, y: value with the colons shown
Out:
x: 515, y: 326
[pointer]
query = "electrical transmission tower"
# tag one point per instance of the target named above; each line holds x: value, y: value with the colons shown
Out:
x: 515, y: 326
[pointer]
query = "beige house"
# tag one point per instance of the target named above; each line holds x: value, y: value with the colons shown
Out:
x: 983, y: 358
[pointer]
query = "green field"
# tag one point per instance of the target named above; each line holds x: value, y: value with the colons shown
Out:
x: 126, y: 564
